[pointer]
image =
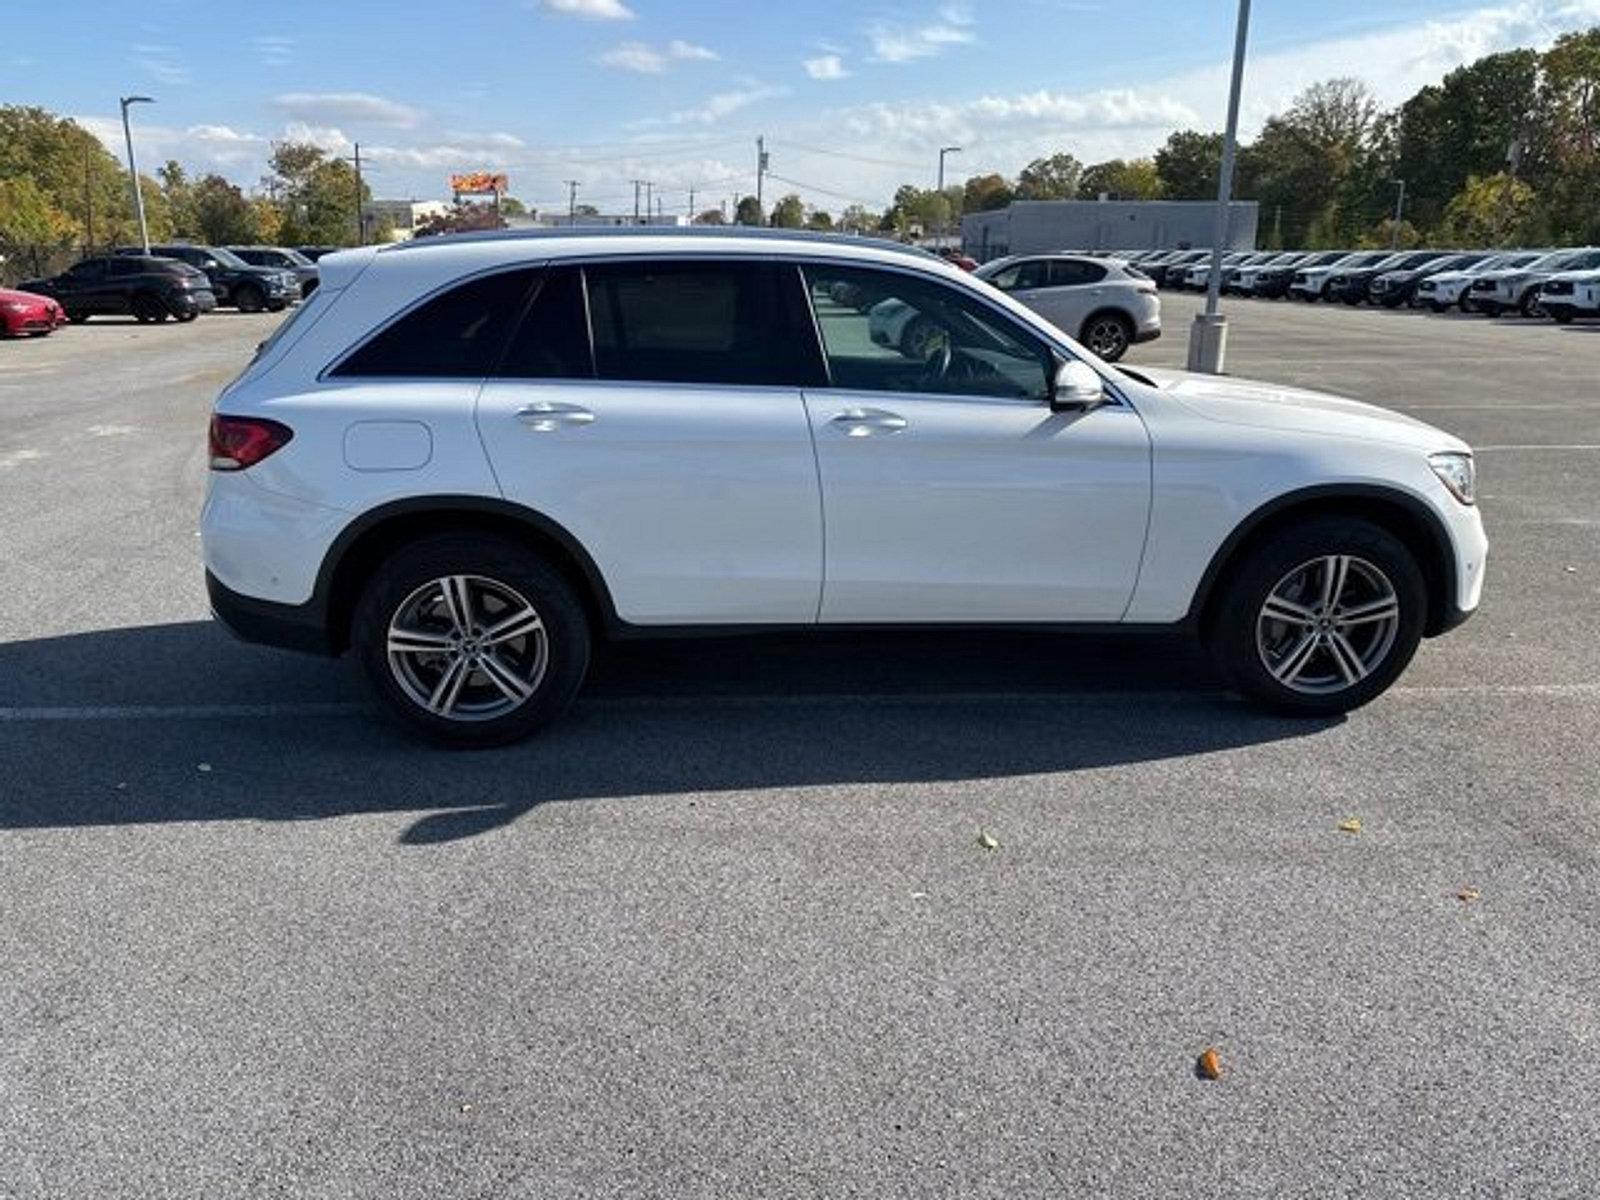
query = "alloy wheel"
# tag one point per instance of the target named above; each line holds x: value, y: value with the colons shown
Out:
x: 467, y: 648
x: 1107, y: 337
x: 1328, y: 624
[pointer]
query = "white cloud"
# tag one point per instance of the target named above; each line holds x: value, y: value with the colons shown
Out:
x: 347, y: 106
x: 717, y: 106
x: 162, y: 63
x: 825, y: 66
x: 651, y: 60
x: 274, y: 50
x: 592, y: 10
x: 901, y: 43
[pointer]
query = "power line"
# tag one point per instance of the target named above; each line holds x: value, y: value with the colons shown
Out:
x: 860, y: 158
x: 811, y: 187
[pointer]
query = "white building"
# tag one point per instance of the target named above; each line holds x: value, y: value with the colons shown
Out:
x: 403, y: 216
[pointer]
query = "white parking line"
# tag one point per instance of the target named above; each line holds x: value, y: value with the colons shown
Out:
x: 23, y: 714
x: 1541, y: 446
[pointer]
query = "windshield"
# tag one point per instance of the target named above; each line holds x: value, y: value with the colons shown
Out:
x: 226, y: 257
x: 294, y: 256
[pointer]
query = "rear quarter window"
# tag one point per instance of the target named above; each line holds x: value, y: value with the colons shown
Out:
x: 459, y: 332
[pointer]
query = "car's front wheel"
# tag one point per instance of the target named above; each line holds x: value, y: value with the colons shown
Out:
x: 1320, y: 618
x: 248, y: 298
x: 1107, y: 335
x: 471, y: 640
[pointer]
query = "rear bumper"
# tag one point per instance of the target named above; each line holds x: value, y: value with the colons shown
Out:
x: 300, y: 627
x: 1148, y: 334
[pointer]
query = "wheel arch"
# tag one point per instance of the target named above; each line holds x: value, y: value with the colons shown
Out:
x: 1401, y: 514
x: 370, y: 538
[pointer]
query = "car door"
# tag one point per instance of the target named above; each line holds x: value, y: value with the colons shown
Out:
x: 678, y: 454
x: 82, y: 287
x: 951, y: 491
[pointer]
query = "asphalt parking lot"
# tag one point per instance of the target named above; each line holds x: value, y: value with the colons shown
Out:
x: 729, y: 929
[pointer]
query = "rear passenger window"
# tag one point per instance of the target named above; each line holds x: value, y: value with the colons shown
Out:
x: 1074, y: 272
x: 553, y: 340
x: 457, y: 334
x: 700, y: 322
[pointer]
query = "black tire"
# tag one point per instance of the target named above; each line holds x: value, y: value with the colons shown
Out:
x: 1238, y: 634
x: 248, y: 298
x: 188, y: 315
x: 148, y: 309
x: 1435, y: 306
x: 1529, y: 305
x: 1562, y: 316
x: 1107, y: 335
x: 277, y: 305
x: 77, y: 318
x: 562, y: 645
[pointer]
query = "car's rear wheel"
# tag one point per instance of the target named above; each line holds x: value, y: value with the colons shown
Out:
x: 1529, y: 305
x: 1320, y: 618
x: 1107, y: 335
x: 471, y: 640
x: 188, y: 315
x: 248, y: 298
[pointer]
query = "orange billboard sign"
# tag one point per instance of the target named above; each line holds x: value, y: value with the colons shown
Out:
x: 479, y: 183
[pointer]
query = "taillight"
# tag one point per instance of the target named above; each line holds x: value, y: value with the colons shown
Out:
x: 240, y: 442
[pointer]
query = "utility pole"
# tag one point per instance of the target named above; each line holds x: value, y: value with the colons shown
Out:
x: 1208, y: 335
x: 637, y: 184
x: 88, y: 207
x: 133, y: 169
x: 649, y: 194
x: 1399, y: 214
x: 761, y: 176
x: 572, y: 201
x: 691, y: 206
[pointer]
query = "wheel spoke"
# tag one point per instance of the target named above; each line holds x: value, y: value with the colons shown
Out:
x: 457, y: 602
x: 1344, y: 654
x: 521, y: 623
x: 418, y: 641
x: 1291, y: 664
x: 1335, y: 569
x: 503, y: 677
x: 448, y: 690
x: 1280, y: 609
x: 1377, y: 610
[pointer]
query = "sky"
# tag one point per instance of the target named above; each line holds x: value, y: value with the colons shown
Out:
x: 853, y: 96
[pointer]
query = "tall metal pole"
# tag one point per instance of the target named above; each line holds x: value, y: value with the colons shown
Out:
x: 1399, y: 214
x: 1208, y: 338
x: 943, y: 150
x: 133, y: 168
x: 761, y: 176
x: 572, y: 201
x: 361, y: 225
x: 637, y: 184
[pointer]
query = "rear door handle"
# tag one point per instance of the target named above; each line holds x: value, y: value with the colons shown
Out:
x: 864, y: 422
x: 547, y: 416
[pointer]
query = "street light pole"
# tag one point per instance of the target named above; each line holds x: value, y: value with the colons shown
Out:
x: 133, y: 167
x: 1208, y: 336
x: 1399, y: 214
x: 943, y: 150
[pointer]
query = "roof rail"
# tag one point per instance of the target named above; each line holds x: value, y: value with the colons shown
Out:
x: 687, y: 233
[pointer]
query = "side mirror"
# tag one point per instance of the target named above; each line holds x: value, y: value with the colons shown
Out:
x: 1076, y: 387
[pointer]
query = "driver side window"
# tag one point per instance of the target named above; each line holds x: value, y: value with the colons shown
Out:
x: 887, y: 332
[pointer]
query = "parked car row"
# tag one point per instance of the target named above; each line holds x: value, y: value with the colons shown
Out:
x: 1561, y: 284
x: 175, y: 280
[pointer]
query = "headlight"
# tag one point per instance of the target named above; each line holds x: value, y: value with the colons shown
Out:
x: 1456, y: 472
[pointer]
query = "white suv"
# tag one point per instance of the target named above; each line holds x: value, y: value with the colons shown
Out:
x: 466, y: 458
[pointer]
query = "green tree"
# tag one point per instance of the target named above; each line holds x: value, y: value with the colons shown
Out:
x: 820, y: 219
x: 318, y: 195
x: 857, y: 219
x: 789, y: 212
x: 1490, y: 210
x: 1051, y: 178
x: 1189, y: 164
x: 711, y: 216
x: 77, y: 175
x: 30, y: 225
x: 464, y: 217
x: 747, y: 211
x: 1121, y: 180
x: 984, y: 193
x: 222, y: 215
x: 510, y: 206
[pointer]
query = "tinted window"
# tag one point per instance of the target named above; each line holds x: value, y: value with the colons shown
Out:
x: 700, y: 322
x: 1075, y: 272
x: 91, y: 268
x: 553, y: 340
x: 127, y: 266
x: 887, y: 332
x: 459, y: 333
x: 1030, y: 273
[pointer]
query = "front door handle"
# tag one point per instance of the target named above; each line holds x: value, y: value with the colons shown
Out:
x: 864, y: 422
x: 547, y: 416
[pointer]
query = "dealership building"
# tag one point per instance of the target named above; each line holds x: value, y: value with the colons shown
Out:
x: 1042, y: 226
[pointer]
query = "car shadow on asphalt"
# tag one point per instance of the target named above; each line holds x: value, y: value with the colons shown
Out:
x: 178, y: 723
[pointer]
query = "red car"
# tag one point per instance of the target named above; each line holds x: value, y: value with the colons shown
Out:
x: 24, y: 313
